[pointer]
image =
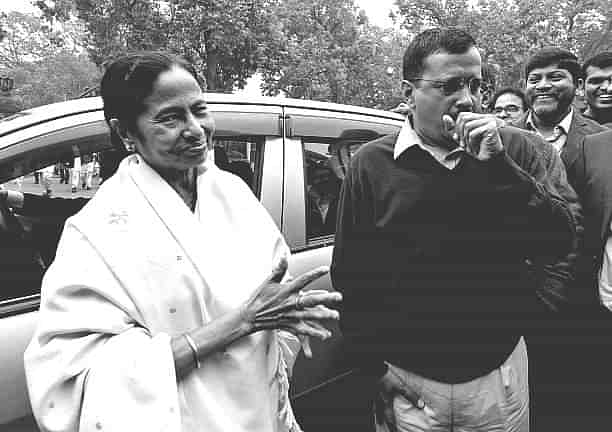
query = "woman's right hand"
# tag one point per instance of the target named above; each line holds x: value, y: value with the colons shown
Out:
x: 284, y: 306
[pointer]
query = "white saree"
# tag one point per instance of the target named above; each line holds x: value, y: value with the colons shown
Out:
x: 136, y: 267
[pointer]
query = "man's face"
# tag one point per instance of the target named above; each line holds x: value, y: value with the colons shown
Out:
x: 509, y: 108
x: 431, y: 101
x: 598, y: 87
x: 550, y: 91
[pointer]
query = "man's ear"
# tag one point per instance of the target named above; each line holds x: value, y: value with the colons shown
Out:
x: 408, y: 89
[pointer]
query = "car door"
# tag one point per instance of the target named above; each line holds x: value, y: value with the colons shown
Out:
x: 41, y: 146
x: 318, y: 146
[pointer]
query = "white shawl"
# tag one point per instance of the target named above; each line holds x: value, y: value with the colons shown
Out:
x: 136, y: 267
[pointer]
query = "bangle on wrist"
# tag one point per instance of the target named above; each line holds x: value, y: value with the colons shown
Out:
x: 194, y: 349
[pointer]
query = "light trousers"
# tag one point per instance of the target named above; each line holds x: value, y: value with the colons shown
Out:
x: 496, y: 402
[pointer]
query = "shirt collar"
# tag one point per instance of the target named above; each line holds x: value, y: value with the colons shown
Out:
x: 564, y: 124
x: 408, y: 138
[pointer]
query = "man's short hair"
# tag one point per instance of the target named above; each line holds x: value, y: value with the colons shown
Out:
x: 449, y: 39
x: 512, y: 90
x: 601, y: 60
x: 564, y: 59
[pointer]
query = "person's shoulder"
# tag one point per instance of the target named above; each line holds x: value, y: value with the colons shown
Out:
x: 374, y: 149
x: 587, y: 125
x: 602, y: 138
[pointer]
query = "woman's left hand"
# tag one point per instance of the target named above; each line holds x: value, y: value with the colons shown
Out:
x: 285, y: 306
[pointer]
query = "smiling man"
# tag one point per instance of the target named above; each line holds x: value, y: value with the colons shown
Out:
x: 552, y: 77
x: 435, y: 226
x: 597, y: 86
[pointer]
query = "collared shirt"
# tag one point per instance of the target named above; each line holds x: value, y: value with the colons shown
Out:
x: 605, y: 274
x: 560, y: 131
x: 408, y: 138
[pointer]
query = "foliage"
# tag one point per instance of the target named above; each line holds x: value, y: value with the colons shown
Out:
x: 221, y: 37
x: 28, y: 38
x: 508, y: 31
x: 54, y: 78
x: 224, y: 38
x: 314, y: 49
x: 47, y: 61
x: 327, y: 50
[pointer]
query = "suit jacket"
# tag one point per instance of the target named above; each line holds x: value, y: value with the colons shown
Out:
x: 591, y: 176
x: 580, y: 127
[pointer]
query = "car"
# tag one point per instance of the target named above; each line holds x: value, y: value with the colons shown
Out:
x: 283, y: 148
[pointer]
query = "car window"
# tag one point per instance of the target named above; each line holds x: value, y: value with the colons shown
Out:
x: 66, y: 176
x: 241, y: 156
x: 326, y: 160
x: 323, y: 182
x: 65, y: 179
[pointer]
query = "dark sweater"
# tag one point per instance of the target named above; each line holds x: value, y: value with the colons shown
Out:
x: 431, y: 261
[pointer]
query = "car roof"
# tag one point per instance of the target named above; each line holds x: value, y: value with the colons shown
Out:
x: 44, y: 113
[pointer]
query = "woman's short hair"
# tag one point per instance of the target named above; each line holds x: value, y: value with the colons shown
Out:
x: 128, y: 81
x: 512, y: 90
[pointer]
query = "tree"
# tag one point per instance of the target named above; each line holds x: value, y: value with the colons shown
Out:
x: 27, y: 38
x: 47, y: 62
x: 223, y: 38
x: 54, y: 78
x: 508, y: 31
x: 117, y: 26
x: 327, y: 50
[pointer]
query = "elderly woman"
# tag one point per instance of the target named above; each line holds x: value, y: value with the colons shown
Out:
x: 145, y: 322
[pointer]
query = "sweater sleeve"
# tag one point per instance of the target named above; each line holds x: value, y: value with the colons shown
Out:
x: 553, y: 225
x: 558, y: 274
x: 352, y: 274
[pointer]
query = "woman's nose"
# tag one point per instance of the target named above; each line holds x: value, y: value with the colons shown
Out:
x: 193, y: 127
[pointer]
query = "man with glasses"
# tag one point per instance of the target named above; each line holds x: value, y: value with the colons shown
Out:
x: 597, y: 87
x: 509, y: 104
x: 435, y: 225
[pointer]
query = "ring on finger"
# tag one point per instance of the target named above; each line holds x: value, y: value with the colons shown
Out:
x: 298, y: 301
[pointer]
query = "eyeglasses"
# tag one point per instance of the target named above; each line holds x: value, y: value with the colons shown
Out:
x: 453, y: 85
x: 510, y: 109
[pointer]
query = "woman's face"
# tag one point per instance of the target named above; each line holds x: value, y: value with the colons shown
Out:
x: 175, y: 130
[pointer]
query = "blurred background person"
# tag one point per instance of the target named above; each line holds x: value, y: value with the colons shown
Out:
x: 509, y: 104
x: 597, y: 87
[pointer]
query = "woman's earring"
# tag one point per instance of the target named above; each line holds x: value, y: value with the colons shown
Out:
x: 129, y: 146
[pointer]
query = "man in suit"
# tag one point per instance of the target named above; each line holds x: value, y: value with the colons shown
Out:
x: 591, y: 176
x: 597, y: 87
x: 552, y: 77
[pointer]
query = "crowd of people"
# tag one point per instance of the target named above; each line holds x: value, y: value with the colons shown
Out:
x: 473, y: 254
